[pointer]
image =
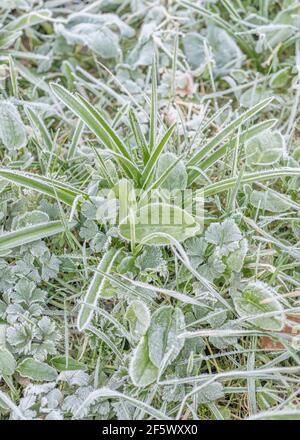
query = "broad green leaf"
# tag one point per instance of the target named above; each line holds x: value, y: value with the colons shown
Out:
x: 7, y: 362
x: 223, y: 24
x: 51, y: 187
x: 36, y: 370
x: 95, y: 289
x: 177, y: 178
x: 280, y: 78
x: 225, y: 236
x: 96, y: 32
x: 160, y: 218
x: 150, y: 259
x: 235, y: 260
x: 98, y: 38
x: 166, y: 324
x: 29, y: 218
x: 142, y: 371
x: 138, y: 316
x: 62, y: 363
x: 193, y: 46
x: 210, y: 393
x: 289, y: 18
x: 10, y: 240
x: 195, y: 248
x: 159, y: 181
x: 227, y: 54
x: 264, y: 149
x: 256, y: 299
x: 268, y: 201
x: 253, y: 96
x: 12, y: 129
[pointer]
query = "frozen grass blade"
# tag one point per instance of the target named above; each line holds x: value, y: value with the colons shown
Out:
x: 38, y: 123
x: 29, y: 234
x: 75, y: 139
x: 27, y: 20
x: 225, y: 184
x: 101, y: 335
x: 98, y: 125
x: 13, y: 77
x: 139, y: 136
x: 95, y: 289
x: 36, y: 80
x: 58, y: 190
x: 7, y: 401
x: 228, y: 146
x: 223, y: 134
x: 153, y: 114
x: 147, y: 173
x: 111, y: 394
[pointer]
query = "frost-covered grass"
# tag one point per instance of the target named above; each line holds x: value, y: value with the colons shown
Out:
x: 103, y: 317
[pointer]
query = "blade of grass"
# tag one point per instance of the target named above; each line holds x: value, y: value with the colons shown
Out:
x: 10, y: 240
x: 101, y: 335
x: 220, y: 152
x: 65, y: 193
x: 75, y: 138
x: 38, y: 123
x: 161, y: 179
x: 97, y: 124
x: 13, y: 77
x: 196, y: 159
x: 225, y: 184
x: 139, y: 136
x: 95, y: 288
x: 153, y: 115
x: 33, y: 78
x: 147, y: 172
x: 92, y: 118
x: 110, y: 394
x: 26, y: 20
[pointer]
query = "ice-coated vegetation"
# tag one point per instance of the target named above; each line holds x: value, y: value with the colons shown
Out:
x: 107, y: 107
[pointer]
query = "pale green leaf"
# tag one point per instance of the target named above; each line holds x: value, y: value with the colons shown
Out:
x: 166, y: 324
x: 7, y: 362
x: 160, y: 218
x: 142, y: 371
x: 36, y: 370
x: 257, y: 299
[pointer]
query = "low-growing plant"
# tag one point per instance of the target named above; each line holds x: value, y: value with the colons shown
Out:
x: 149, y: 210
